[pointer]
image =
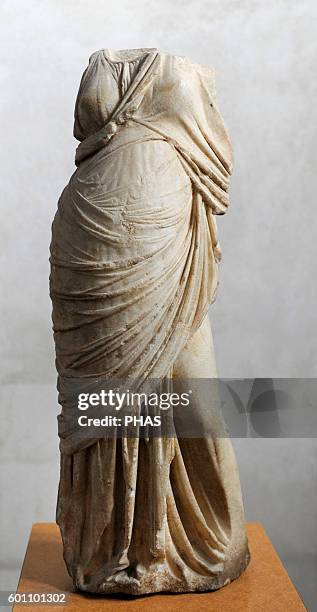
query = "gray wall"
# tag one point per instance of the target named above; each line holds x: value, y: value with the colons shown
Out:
x: 265, y: 315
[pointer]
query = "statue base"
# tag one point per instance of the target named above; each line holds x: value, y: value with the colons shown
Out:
x: 264, y: 585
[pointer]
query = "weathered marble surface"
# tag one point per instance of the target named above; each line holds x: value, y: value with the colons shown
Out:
x: 134, y: 258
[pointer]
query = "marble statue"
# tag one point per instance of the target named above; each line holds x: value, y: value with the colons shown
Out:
x: 134, y: 259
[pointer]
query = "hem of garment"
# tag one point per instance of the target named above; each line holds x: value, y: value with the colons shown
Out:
x: 155, y: 581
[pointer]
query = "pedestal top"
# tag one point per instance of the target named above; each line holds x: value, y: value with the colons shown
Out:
x: 265, y: 585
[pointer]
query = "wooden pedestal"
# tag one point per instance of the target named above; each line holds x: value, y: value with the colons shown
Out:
x: 265, y: 586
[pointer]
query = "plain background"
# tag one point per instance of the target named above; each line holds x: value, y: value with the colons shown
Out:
x: 264, y: 319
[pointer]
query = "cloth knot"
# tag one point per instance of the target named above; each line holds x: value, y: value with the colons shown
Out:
x: 110, y: 130
x: 112, y: 127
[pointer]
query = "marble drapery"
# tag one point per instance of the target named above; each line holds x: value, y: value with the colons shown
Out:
x: 133, y: 271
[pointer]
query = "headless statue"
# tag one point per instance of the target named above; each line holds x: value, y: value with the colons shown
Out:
x: 134, y: 269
